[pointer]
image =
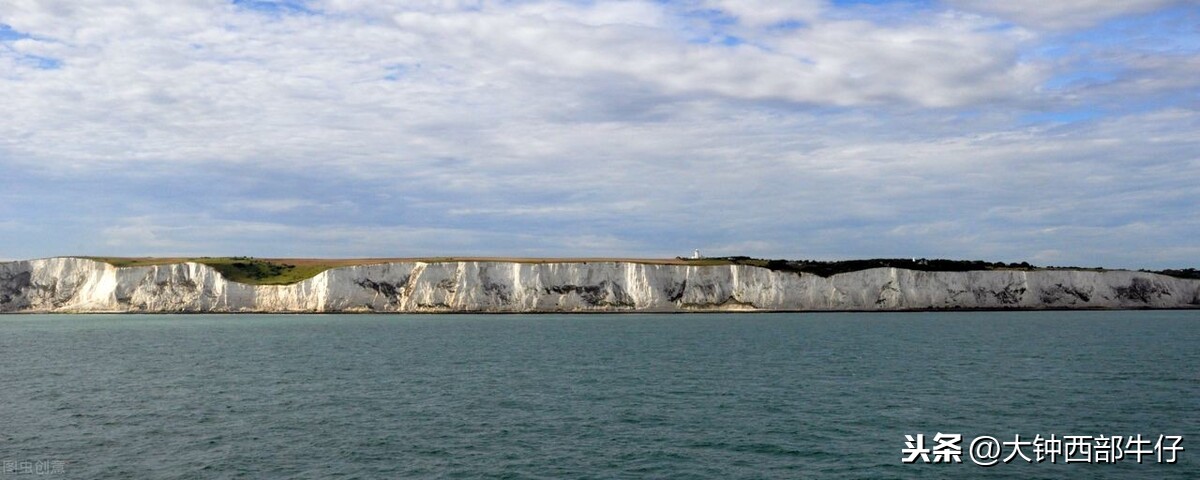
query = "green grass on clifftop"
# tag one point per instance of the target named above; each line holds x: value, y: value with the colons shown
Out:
x: 248, y: 270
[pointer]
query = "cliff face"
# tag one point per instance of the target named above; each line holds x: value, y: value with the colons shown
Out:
x: 80, y: 285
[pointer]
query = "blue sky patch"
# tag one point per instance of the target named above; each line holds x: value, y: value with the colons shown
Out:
x: 1066, y: 116
x: 274, y: 6
x: 7, y: 33
x: 400, y: 70
x: 41, y: 63
x: 1082, y: 78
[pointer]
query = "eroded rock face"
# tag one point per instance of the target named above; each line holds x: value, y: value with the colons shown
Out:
x: 80, y: 285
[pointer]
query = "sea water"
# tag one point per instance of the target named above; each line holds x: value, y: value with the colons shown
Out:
x: 806, y: 395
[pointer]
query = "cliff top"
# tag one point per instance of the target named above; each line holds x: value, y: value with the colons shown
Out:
x: 282, y: 271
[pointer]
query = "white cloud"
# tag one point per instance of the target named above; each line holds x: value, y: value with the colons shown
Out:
x: 1062, y: 14
x: 555, y: 211
x: 205, y: 81
x: 195, y: 235
x: 770, y: 12
x: 582, y: 128
x: 496, y: 86
x: 281, y: 205
x: 949, y: 60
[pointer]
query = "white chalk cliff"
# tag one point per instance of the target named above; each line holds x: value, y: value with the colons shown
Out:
x: 82, y: 285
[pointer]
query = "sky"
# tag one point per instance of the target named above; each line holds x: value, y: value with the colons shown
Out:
x: 1058, y: 133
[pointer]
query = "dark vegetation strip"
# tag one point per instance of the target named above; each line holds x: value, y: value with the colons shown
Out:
x: 828, y: 268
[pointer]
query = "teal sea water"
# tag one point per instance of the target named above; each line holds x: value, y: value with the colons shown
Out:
x: 585, y: 396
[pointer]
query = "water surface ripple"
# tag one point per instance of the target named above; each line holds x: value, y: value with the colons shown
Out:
x: 586, y: 396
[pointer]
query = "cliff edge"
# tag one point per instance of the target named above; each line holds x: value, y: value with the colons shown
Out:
x: 83, y: 285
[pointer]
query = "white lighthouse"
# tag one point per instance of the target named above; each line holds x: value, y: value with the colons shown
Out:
x: 696, y: 254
